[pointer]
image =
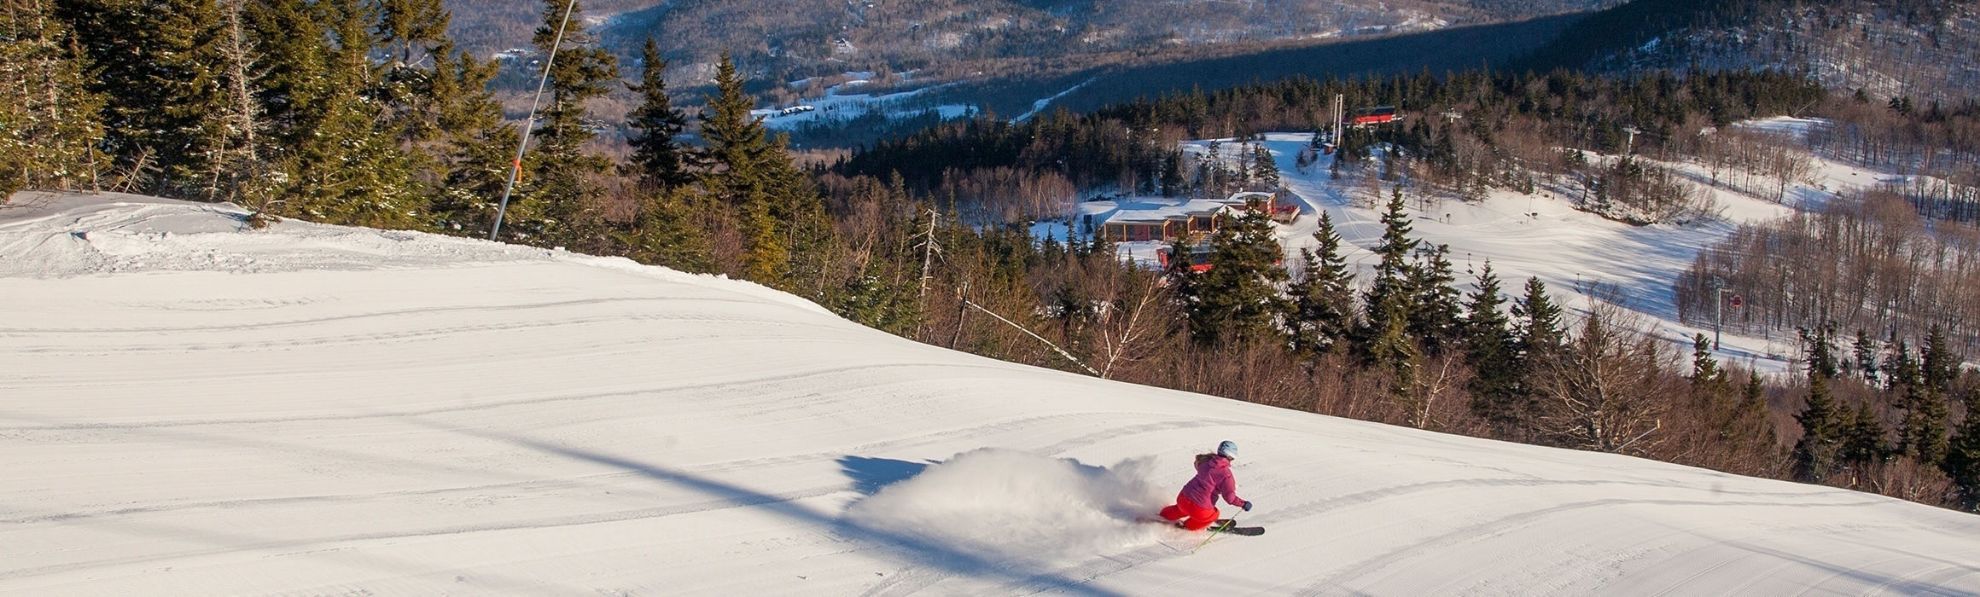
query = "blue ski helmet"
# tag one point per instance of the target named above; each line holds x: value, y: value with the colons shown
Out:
x: 1228, y: 449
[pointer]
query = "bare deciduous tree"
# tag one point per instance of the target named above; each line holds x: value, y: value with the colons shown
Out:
x: 1601, y: 393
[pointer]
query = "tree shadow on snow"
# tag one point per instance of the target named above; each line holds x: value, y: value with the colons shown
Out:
x: 870, y: 474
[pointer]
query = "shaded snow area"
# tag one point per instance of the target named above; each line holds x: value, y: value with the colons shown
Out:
x: 193, y: 407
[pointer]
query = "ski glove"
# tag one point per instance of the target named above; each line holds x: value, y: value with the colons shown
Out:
x: 1246, y: 506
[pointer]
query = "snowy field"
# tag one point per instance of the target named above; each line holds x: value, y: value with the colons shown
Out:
x: 1543, y: 235
x: 844, y: 102
x: 193, y: 408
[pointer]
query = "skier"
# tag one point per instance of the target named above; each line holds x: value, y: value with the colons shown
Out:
x: 1196, y: 505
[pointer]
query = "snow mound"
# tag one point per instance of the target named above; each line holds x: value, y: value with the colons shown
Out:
x: 1020, y: 506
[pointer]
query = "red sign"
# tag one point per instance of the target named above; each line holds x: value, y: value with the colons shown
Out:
x: 1737, y: 301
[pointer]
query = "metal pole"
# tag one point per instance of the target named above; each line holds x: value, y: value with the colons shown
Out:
x: 529, y: 126
x: 1229, y: 523
x: 1719, y: 316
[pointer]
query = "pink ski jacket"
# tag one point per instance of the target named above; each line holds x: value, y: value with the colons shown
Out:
x: 1213, y: 478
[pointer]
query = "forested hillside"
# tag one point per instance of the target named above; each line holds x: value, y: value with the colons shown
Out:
x: 1923, y: 50
x: 1001, y: 56
x: 788, y: 40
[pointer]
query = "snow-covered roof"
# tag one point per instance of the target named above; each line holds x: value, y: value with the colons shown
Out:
x: 1242, y: 198
x: 1148, y: 209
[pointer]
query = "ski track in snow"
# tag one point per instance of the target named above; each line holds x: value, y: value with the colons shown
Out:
x: 197, y: 408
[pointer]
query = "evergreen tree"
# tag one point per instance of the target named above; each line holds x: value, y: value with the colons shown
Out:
x: 736, y: 140
x: 1240, y: 297
x: 349, y: 168
x: 1173, y: 181
x: 1390, y: 349
x: 1962, y: 462
x: 1820, y: 343
x: 410, y: 29
x: 1821, y: 433
x: 159, y: 64
x: 1900, y: 369
x: 50, y: 122
x: 668, y: 234
x: 1940, y: 366
x: 1541, y: 339
x: 1862, y: 437
x: 1539, y: 325
x: 412, y: 34
x: 1434, y: 315
x: 1389, y: 293
x: 741, y: 157
x: 561, y: 172
x: 657, y: 156
x: 1866, y: 357
x: 1493, y: 353
x: 1753, y: 421
x: 1323, y: 300
x: 478, y: 149
x: 293, y: 48
x: 1923, y: 430
x: 1267, y: 170
x: 1704, y: 369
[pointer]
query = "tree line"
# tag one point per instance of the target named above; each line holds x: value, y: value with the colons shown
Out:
x: 1870, y: 263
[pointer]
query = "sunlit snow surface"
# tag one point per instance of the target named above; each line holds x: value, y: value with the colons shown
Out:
x: 191, y: 407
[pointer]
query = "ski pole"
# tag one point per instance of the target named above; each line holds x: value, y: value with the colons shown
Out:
x: 1229, y: 523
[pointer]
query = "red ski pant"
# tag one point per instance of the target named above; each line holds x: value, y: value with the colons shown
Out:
x: 1199, y: 516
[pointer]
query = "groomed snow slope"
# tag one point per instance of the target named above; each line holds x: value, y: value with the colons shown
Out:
x: 194, y: 408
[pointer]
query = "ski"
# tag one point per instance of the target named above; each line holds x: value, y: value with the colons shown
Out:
x: 1221, y: 526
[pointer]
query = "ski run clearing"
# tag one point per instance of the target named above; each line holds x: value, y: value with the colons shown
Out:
x: 1578, y: 254
x: 196, y: 408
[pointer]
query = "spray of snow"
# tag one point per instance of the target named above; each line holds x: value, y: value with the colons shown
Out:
x: 1020, y: 506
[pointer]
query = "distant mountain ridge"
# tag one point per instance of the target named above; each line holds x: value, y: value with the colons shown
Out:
x: 948, y: 39
x: 1924, y: 50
